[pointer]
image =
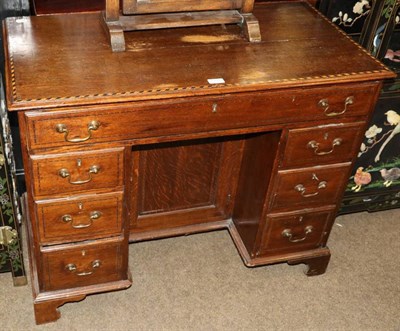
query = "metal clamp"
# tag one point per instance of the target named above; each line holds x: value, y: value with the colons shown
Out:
x: 8, y: 235
x: 315, y: 146
x: 94, y: 215
x: 71, y: 267
x: 287, y: 233
x: 92, y: 126
x: 324, y: 103
x: 64, y: 173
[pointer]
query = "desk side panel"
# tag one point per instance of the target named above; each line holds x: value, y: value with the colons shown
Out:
x: 255, y: 175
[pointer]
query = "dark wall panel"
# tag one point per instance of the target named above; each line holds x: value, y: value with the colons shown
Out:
x: 10, y: 8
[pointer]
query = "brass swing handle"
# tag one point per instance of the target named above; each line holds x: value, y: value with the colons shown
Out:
x: 300, y: 188
x: 92, y: 126
x: 71, y: 267
x: 64, y: 173
x: 324, y: 103
x: 287, y: 233
x: 94, y: 215
x: 315, y: 146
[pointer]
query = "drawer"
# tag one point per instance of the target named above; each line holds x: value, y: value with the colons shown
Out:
x: 68, y: 266
x: 309, y: 187
x: 323, y: 144
x: 79, y: 218
x: 195, y: 115
x: 288, y: 232
x: 77, y: 172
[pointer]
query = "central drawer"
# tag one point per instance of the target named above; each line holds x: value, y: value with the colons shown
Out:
x: 195, y: 115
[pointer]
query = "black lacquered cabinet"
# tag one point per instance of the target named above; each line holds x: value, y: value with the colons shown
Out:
x: 375, y: 181
x: 10, y: 244
x: 10, y: 171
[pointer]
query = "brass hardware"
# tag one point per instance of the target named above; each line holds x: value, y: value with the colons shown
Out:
x: 8, y: 235
x: 315, y: 146
x: 71, y: 267
x: 287, y: 233
x: 64, y: 173
x: 214, y: 107
x: 94, y: 215
x: 324, y: 103
x: 300, y: 188
x: 92, y: 126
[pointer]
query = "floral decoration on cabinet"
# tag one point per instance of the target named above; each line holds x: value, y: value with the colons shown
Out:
x: 380, y: 173
x: 360, y: 9
x: 12, y: 253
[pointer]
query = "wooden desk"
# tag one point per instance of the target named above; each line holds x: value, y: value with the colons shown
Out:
x: 138, y: 145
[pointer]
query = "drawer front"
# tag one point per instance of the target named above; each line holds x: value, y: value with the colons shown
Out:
x: 81, y: 265
x: 309, y: 187
x: 287, y: 232
x: 321, y: 145
x: 79, y: 218
x: 77, y: 172
x: 195, y: 115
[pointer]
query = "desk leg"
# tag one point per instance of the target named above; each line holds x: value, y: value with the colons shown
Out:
x: 316, y: 265
x: 46, y: 311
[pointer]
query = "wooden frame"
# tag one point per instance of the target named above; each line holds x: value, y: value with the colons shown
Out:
x: 131, y: 15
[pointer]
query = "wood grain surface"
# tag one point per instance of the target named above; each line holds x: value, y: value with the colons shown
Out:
x: 80, y: 68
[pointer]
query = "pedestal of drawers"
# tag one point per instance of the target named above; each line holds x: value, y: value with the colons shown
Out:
x: 274, y: 185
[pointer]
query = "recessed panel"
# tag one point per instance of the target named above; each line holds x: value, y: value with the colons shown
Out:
x: 181, y: 184
x: 177, y: 177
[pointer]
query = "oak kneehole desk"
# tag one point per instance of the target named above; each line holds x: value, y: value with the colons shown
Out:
x: 130, y: 146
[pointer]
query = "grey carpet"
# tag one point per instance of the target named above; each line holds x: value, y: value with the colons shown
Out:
x: 199, y: 282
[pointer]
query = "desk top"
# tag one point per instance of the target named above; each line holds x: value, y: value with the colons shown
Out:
x: 64, y: 60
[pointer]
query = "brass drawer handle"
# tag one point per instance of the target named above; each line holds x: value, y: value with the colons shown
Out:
x: 71, y: 267
x: 94, y: 215
x: 287, y: 233
x: 324, y: 103
x: 315, y: 146
x: 300, y: 188
x: 64, y: 173
x: 92, y: 126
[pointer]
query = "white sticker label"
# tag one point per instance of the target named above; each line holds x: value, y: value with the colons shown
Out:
x: 216, y: 81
